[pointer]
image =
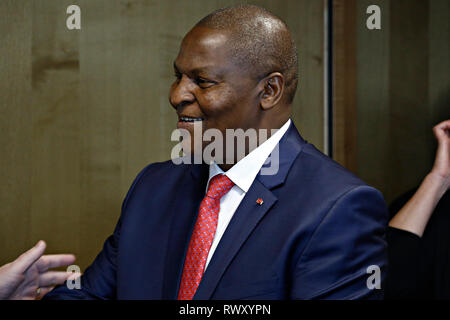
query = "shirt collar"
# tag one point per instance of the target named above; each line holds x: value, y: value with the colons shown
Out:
x: 245, y: 171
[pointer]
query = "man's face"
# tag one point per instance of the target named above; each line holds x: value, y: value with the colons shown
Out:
x: 210, y: 90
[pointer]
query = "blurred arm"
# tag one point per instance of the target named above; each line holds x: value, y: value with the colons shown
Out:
x: 414, y: 216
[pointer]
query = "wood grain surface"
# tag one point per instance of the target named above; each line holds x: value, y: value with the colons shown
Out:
x: 83, y: 111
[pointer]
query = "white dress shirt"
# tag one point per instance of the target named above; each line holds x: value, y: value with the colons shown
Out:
x: 242, y: 174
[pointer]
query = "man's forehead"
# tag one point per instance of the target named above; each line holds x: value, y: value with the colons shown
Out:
x: 205, y: 37
x: 203, y: 48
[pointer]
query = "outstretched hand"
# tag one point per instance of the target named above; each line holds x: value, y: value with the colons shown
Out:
x: 441, y: 167
x: 28, y: 277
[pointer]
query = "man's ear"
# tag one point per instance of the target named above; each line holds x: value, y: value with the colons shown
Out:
x: 272, y: 90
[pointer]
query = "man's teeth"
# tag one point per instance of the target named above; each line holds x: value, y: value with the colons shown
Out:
x: 185, y: 119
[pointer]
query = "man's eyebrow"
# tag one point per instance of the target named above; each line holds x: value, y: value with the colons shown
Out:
x: 197, y: 71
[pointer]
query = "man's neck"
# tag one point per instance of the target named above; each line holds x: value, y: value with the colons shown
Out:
x: 227, y: 166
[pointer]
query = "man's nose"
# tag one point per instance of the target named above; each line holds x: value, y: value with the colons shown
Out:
x: 181, y: 93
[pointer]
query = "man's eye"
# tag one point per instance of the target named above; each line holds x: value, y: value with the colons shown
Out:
x: 204, y: 83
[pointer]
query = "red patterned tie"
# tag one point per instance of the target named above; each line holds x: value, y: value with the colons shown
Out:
x: 202, y: 236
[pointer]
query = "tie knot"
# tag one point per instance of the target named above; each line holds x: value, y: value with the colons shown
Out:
x: 218, y: 186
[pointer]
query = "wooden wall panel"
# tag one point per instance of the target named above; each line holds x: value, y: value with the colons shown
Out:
x: 344, y: 83
x: 372, y: 96
x: 306, y: 20
x: 101, y: 57
x: 402, y: 91
x: 83, y: 111
x: 55, y: 123
x: 410, y: 127
x: 16, y: 160
x: 439, y: 61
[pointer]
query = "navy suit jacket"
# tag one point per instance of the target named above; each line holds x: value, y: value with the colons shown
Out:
x: 316, y: 233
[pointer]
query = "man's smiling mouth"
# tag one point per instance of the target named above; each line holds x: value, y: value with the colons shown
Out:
x: 190, y: 119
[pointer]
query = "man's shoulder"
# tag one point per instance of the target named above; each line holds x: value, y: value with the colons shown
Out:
x: 163, y: 170
x: 314, y: 168
x: 310, y: 167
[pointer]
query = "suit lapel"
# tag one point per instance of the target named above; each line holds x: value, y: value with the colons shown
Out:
x: 244, y: 220
x: 249, y: 213
x: 185, y: 210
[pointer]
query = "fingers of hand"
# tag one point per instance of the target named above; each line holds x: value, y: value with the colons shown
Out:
x: 74, y: 276
x: 52, y: 278
x: 32, y: 292
x: 42, y: 292
x: 25, y: 260
x: 442, y: 130
x: 54, y: 261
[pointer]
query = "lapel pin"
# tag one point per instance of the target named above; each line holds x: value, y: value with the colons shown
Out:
x: 259, y: 201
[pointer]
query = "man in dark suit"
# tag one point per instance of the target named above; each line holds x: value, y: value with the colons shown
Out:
x: 308, y: 230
